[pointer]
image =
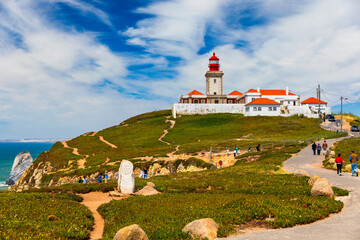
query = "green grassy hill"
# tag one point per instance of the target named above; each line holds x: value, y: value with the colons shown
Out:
x: 138, y: 137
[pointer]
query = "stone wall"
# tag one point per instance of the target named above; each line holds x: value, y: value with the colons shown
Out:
x: 190, y: 109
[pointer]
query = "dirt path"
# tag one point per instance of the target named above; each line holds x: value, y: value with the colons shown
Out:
x: 93, y: 200
x: 106, y: 142
x: 166, y: 131
x: 74, y: 150
x: 339, y: 226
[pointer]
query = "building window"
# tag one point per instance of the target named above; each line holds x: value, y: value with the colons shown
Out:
x: 230, y: 101
x: 216, y: 101
x: 214, y: 80
x: 209, y: 101
x: 214, y: 93
x: 202, y: 101
x: 247, y: 109
x: 196, y: 101
x: 274, y: 108
x: 185, y: 101
x: 270, y: 108
x: 282, y: 102
x: 252, y: 99
x: 259, y: 108
x: 255, y: 108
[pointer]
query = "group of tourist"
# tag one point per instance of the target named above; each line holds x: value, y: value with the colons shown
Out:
x: 354, y: 158
x: 143, y: 173
x: 237, y: 150
x: 317, y: 147
x: 82, y: 180
x: 104, y: 177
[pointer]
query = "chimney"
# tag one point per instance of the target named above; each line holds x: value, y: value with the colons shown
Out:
x: 258, y: 89
x: 287, y: 90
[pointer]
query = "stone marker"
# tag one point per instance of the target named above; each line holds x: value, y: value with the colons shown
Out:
x: 126, y: 181
x: 322, y: 187
x: 301, y: 173
x: 202, y: 228
x: 148, y: 190
x: 132, y: 232
x: 313, y: 179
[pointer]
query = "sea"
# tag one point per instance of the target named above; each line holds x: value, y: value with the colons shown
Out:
x: 9, y: 150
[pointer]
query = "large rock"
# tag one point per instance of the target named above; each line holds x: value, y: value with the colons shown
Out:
x: 22, y: 161
x: 322, y: 187
x: 154, y: 169
x: 132, y: 232
x: 147, y: 191
x: 202, y: 228
x: 313, y: 179
x: 301, y: 173
x: 348, y: 167
x: 126, y: 181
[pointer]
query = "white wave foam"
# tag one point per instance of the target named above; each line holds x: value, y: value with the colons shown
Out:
x: 3, y: 185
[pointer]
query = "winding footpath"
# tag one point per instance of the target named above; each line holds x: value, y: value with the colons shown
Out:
x: 344, y: 225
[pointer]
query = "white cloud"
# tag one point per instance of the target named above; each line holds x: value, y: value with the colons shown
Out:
x: 55, y: 83
x: 302, y: 44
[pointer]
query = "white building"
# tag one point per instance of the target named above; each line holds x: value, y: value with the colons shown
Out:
x: 313, y: 104
x: 263, y: 102
x: 263, y: 107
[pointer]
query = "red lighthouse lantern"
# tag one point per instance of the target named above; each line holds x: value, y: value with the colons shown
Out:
x: 214, y: 65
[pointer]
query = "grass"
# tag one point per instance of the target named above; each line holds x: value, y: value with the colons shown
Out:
x: 231, y: 196
x: 138, y: 137
x: 43, y: 216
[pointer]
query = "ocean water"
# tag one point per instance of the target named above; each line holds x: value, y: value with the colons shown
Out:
x: 8, y: 152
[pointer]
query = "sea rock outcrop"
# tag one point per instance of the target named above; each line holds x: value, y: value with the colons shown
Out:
x: 22, y: 161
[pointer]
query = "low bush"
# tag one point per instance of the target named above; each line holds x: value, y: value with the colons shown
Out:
x: 43, y: 216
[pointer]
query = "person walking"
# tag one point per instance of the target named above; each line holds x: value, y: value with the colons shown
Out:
x: 353, y: 160
x: 339, y: 162
x: 100, y: 178
x: 145, y: 173
x: 234, y: 153
x: 106, y: 177
x: 313, y: 147
x: 318, y: 149
x: 84, y: 180
x: 220, y: 164
x: 324, y: 146
x: 258, y: 148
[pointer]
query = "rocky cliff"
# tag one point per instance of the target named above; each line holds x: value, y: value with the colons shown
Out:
x: 22, y: 161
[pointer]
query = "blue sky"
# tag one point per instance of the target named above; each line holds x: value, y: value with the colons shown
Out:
x: 71, y: 66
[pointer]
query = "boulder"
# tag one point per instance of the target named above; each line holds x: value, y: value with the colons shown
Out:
x: 126, y: 181
x: 332, y: 153
x: 348, y: 167
x: 202, y: 228
x: 164, y: 171
x: 150, y: 184
x: 180, y: 168
x: 136, y: 172
x: 132, y: 232
x: 193, y: 169
x: 147, y: 191
x: 322, y: 187
x: 301, y: 173
x: 154, y: 169
x: 332, y: 160
x: 21, y: 162
x: 313, y: 179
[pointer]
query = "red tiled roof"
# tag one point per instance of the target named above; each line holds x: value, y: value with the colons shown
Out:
x: 263, y: 101
x: 252, y: 90
x: 235, y: 93
x: 312, y: 100
x: 271, y: 92
x: 195, y: 93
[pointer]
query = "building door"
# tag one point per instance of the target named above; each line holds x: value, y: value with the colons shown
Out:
x: 216, y: 101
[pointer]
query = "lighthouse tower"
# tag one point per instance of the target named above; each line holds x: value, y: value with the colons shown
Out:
x: 214, y: 82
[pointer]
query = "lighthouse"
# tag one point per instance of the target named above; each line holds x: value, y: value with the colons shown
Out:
x: 214, y: 81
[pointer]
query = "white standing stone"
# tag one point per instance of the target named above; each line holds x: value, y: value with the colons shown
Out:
x: 126, y: 181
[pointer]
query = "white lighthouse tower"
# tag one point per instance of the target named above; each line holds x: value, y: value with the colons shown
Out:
x: 214, y: 82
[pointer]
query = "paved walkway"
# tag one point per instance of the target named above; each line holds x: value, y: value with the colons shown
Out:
x: 344, y: 225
